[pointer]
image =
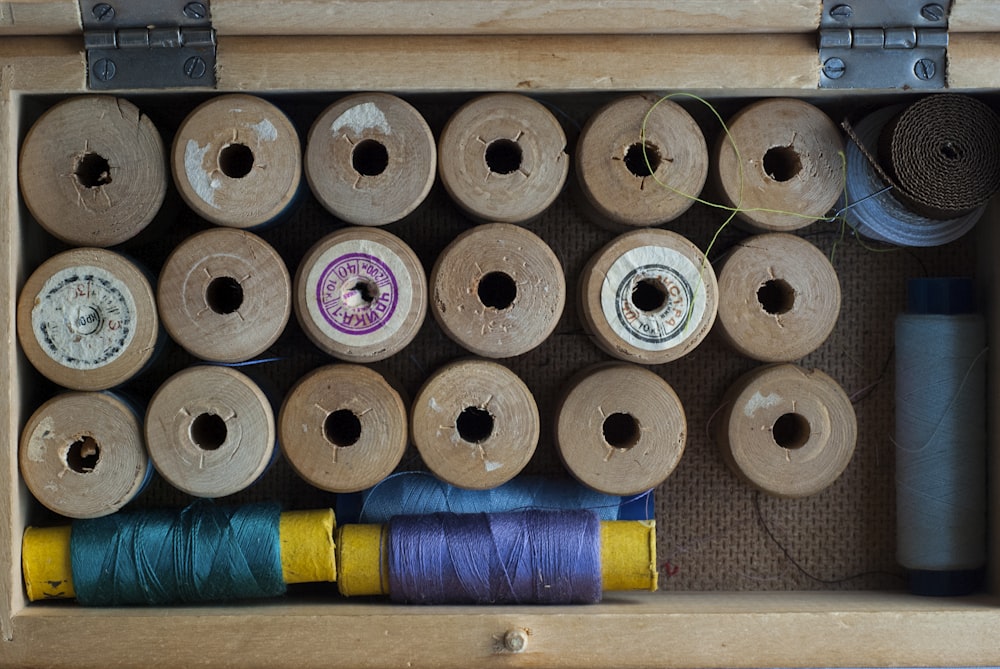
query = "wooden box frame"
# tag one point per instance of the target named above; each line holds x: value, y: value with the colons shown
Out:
x: 714, y: 48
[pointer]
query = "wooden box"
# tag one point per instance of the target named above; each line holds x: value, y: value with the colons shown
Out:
x: 720, y: 50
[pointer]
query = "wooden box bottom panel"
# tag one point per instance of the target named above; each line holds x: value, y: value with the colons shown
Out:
x: 724, y: 550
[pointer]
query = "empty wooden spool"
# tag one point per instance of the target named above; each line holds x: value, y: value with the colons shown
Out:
x: 343, y: 428
x: 498, y: 290
x: 236, y: 161
x: 86, y: 319
x: 360, y: 294
x: 649, y: 296
x: 787, y: 430
x: 93, y: 170
x: 210, y: 431
x: 370, y: 159
x: 779, y: 297
x: 83, y: 455
x: 788, y: 170
x: 475, y: 424
x: 224, y: 295
x: 620, y: 429
x: 502, y: 158
x: 633, y: 179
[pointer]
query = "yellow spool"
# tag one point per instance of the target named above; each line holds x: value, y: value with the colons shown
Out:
x: 307, y: 554
x: 363, y: 558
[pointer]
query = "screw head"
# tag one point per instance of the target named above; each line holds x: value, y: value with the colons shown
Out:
x: 841, y: 12
x: 515, y: 641
x: 834, y: 68
x: 195, y: 10
x: 103, y: 11
x: 195, y: 67
x: 104, y: 69
x: 925, y: 68
x: 932, y: 12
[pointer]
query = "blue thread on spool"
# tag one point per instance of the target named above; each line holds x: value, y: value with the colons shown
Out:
x: 204, y: 553
x: 415, y: 493
x: 538, y: 557
x: 941, y: 438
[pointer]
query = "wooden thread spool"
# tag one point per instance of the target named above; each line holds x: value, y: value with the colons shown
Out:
x: 791, y: 162
x: 475, y: 424
x: 370, y: 159
x: 502, y: 158
x: 210, y: 431
x: 236, y: 161
x: 86, y: 319
x: 93, y: 171
x: 498, y: 290
x: 620, y: 429
x: 786, y: 430
x: 649, y: 296
x: 225, y: 295
x: 779, y: 298
x: 619, y: 179
x: 361, y: 294
x: 83, y: 455
x: 343, y: 428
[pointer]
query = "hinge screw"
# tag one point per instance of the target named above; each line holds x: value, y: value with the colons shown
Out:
x: 932, y: 12
x: 103, y: 12
x: 515, y: 641
x: 841, y: 12
x: 195, y: 10
x: 104, y: 69
x: 925, y: 69
x: 195, y: 67
x: 834, y: 68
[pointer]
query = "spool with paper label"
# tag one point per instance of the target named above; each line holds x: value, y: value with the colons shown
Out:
x: 620, y: 429
x: 502, y: 158
x: 360, y: 294
x: 224, y: 295
x: 210, y: 431
x: 83, y: 455
x: 634, y: 179
x: 343, y: 428
x: 86, y: 319
x: 475, y: 424
x: 781, y: 164
x: 779, y: 298
x: 498, y: 290
x: 786, y: 430
x: 93, y: 170
x: 649, y: 296
x: 370, y: 159
x: 236, y: 161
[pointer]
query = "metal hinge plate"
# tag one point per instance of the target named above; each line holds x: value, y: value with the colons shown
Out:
x: 878, y: 44
x: 153, y: 44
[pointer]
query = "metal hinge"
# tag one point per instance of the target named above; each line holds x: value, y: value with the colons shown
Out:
x: 884, y: 44
x: 148, y: 44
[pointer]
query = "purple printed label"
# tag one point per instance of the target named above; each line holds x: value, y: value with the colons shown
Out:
x: 357, y: 294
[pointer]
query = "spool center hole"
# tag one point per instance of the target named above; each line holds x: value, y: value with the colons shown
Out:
x: 83, y: 455
x: 782, y: 163
x: 776, y: 296
x: 359, y: 294
x: 370, y: 158
x: 474, y: 425
x: 93, y: 170
x: 791, y: 431
x: 208, y: 431
x: 236, y: 160
x: 649, y: 295
x: 224, y: 295
x: 503, y: 156
x: 342, y: 428
x: 636, y: 163
x: 497, y: 290
x: 949, y: 151
x: 621, y: 430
